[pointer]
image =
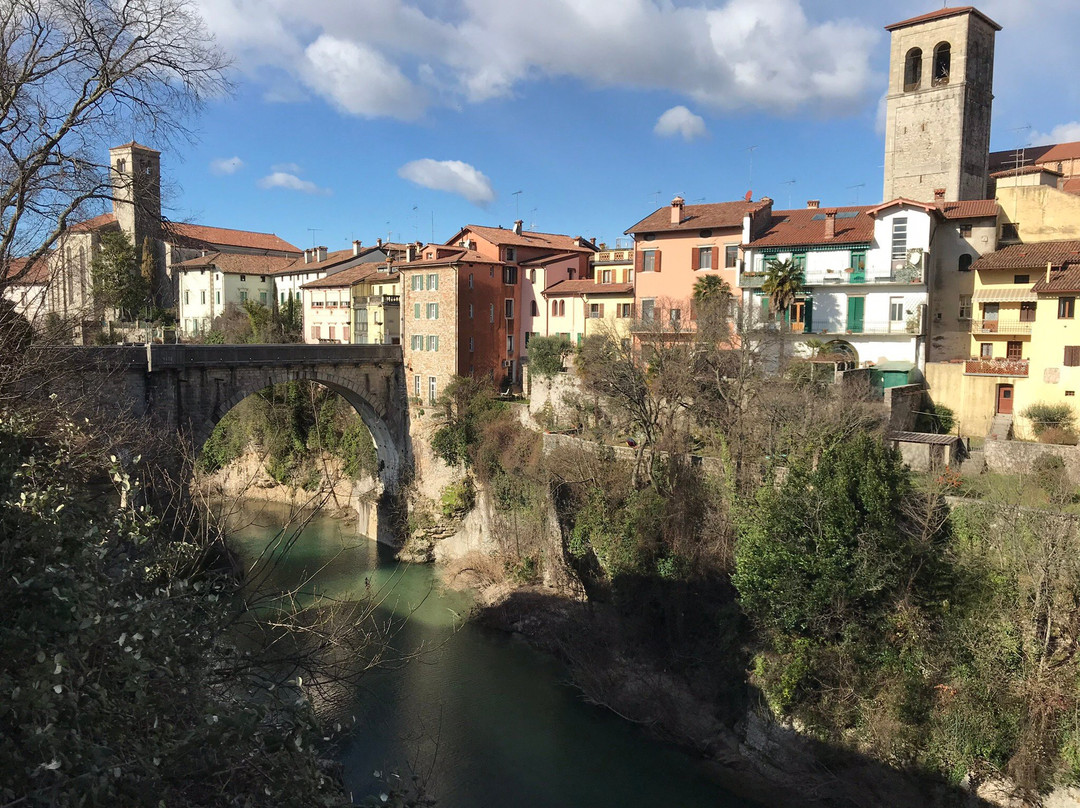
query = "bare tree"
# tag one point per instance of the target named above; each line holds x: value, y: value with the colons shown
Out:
x: 74, y: 74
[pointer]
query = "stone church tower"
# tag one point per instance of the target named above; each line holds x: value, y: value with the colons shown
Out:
x: 937, y: 128
x: 136, y: 181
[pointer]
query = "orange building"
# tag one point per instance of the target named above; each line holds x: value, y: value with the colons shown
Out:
x: 676, y: 245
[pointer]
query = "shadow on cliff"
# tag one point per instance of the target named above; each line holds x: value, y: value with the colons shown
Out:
x: 670, y: 656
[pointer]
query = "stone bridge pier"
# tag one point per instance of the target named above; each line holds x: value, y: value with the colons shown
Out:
x: 189, y: 388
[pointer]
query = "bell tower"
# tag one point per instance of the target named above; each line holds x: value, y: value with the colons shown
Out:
x: 136, y: 182
x: 937, y: 127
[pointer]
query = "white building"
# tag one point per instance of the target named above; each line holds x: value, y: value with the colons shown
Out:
x: 864, y: 269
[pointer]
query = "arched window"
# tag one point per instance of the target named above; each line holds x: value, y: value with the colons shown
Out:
x: 562, y: 308
x: 121, y: 166
x: 912, y: 70
x: 964, y: 264
x: 942, y: 64
x: 532, y: 276
x: 535, y: 310
x: 554, y: 308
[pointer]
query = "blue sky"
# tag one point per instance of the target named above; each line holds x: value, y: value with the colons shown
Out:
x: 411, y: 119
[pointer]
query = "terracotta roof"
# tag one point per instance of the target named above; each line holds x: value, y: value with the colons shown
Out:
x: 1026, y: 169
x: 240, y: 264
x: 695, y: 217
x: 1031, y: 256
x: 587, y: 287
x: 37, y: 273
x: 1031, y: 155
x: 941, y: 14
x: 502, y: 236
x: 1072, y: 186
x: 970, y: 209
x: 134, y: 145
x: 550, y: 259
x: 351, y: 276
x: 461, y: 255
x: 901, y: 200
x: 1061, y: 151
x: 806, y: 226
x: 228, y: 237
x: 95, y: 223
x: 924, y: 437
x: 1062, y: 280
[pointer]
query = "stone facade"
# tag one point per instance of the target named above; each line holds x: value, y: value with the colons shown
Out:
x: 937, y: 128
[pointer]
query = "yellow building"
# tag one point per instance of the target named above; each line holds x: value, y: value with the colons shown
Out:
x: 360, y: 305
x: 580, y: 308
x: 1025, y: 339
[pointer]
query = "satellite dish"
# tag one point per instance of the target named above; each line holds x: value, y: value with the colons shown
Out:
x: 914, y: 256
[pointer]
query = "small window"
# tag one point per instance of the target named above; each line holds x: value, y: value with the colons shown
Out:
x: 433, y: 311
x: 433, y: 281
x: 594, y: 311
x: 965, y: 230
x: 243, y: 296
x: 986, y: 350
x: 491, y: 312
x: 648, y: 261
x: 243, y: 278
x: 605, y: 276
x: 1010, y: 231
x: 509, y: 344
x: 472, y: 345
x: 1022, y: 279
x: 1066, y: 308
x: 1072, y: 356
x: 187, y: 297
x: 535, y: 309
x: 731, y: 256
x: 912, y: 70
x: 418, y: 286
x: 508, y: 308
x: 705, y: 258
x: 650, y: 236
x: 470, y: 311
x: 510, y: 276
x: 470, y: 281
x: 1070, y: 392
x: 675, y: 315
x: 554, y: 308
x: 532, y: 276
x: 416, y: 386
x: 1014, y: 349
x: 511, y: 254
x: 648, y: 308
x: 965, y: 307
x: 562, y: 308
x: 1027, y: 312
x: 433, y: 342
x: 963, y: 264
x: 942, y: 64
x: 432, y: 389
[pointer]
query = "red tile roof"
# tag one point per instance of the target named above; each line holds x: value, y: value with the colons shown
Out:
x: 1072, y: 186
x: 695, y: 217
x: 95, y: 223
x: 504, y: 237
x: 352, y: 276
x: 1061, y: 151
x: 1022, y: 170
x: 941, y: 14
x: 458, y: 256
x: 790, y: 228
x: 1031, y: 256
x: 587, y: 287
x: 36, y: 273
x: 240, y: 264
x: 1032, y: 155
x: 550, y: 259
x: 228, y: 237
x: 970, y: 209
x: 134, y: 145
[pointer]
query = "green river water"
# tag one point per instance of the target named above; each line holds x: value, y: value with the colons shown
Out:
x: 487, y: 720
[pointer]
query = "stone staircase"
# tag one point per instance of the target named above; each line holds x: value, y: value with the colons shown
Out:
x: 1000, y: 427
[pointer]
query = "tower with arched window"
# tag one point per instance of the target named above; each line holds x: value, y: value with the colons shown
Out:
x: 937, y: 128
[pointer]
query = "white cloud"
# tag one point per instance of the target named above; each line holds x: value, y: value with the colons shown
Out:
x: 680, y: 121
x: 359, y: 80
x: 288, y: 168
x: 291, y: 182
x: 450, y: 175
x: 394, y: 58
x: 226, y: 165
x: 1062, y: 133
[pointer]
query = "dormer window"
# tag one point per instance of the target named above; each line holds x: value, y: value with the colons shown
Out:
x: 912, y: 70
x: 942, y: 64
x: 511, y: 254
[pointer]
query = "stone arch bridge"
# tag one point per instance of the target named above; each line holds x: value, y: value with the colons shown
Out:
x: 189, y: 388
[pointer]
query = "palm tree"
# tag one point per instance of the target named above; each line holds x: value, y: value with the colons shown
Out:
x: 783, y: 282
x: 710, y: 287
x: 712, y: 296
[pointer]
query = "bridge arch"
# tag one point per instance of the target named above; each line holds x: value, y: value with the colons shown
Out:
x: 370, y: 410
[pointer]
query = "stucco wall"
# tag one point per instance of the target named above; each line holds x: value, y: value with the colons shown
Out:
x: 973, y: 399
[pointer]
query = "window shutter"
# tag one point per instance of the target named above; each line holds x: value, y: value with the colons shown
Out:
x: 601, y: 311
x: 639, y: 262
x: 715, y: 256
x: 657, y: 267
x: 695, y: 259
x: 1072, y: 356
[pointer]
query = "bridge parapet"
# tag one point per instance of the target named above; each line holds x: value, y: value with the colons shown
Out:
x: 172, y: 357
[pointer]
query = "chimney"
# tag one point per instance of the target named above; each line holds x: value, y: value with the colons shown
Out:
x: 307, y: 256
x: 517, y: 227
x: 813, y: 204
x: 1048, y: 265
x: 939, y: 197
x: 676, y: 210
x: 320, y: 253
x: 830, y: 223
x: 357, y: 247
x: 577, y: 241
x: 378, y: 241
x: 410, y: 253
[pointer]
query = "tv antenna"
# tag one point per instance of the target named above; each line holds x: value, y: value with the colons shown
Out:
x: 532, y: 224
x: 789, y: 183
x: 856, y: 187
x: 517, y: 204
x: 313, y: 231
x: 656, y: 197
x: 750, y: 176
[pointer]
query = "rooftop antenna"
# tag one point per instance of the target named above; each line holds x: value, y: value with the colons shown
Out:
x: 701, y: 199
x: 656, y: 197
x: 313, y: 231
x: 788, y: 183
x: 532, y: 224
x: 857, y: 186
x: 517, y: 204
x: 750, y: 177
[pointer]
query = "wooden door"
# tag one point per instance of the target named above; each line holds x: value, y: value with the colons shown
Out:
x: 1005, y: 399
x: 855, y: 308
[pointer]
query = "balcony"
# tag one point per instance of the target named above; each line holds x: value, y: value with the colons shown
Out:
x: 376, y: 300
x: 996, y: 367
x: 1000, y: 327
x: 905, y: 276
